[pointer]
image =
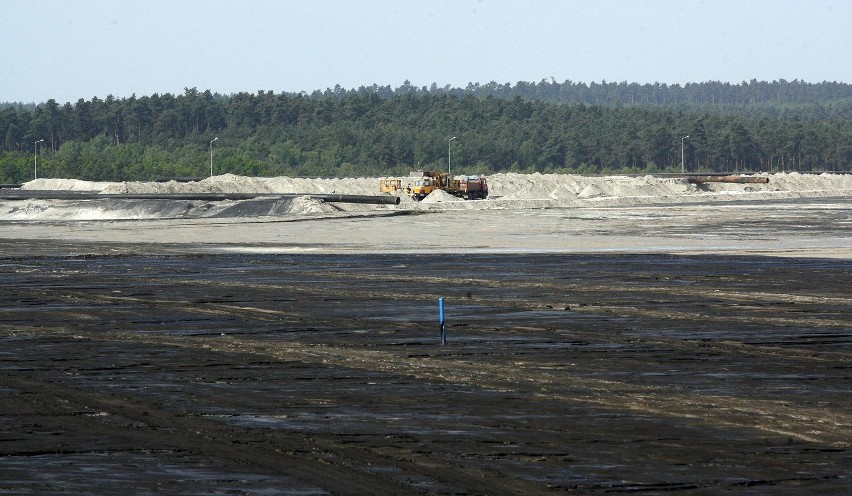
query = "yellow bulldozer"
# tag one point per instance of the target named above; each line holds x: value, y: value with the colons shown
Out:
x: 390, y: 184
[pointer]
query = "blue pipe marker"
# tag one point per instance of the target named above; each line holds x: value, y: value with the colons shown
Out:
x: 443, y: 327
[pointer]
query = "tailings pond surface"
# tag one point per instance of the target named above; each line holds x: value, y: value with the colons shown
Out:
x: 324, y: 374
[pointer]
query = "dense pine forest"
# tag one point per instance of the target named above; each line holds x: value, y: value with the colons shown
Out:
x: 379, y: 130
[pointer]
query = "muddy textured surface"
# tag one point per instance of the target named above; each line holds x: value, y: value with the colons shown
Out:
x: 316, y: 374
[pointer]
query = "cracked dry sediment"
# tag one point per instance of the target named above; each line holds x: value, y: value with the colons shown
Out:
x: 323, y: 373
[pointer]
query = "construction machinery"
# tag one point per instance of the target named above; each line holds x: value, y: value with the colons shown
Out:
x: 470, y: 187
x: 421, y: 184
x: 390, y: 184
x: 728, y: 179
x: 425, y: 182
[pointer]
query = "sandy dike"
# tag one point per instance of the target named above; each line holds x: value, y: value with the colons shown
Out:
x: 793, y: 214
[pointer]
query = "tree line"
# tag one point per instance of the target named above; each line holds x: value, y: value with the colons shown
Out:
x: 383, y: 131
x: 776, y: 98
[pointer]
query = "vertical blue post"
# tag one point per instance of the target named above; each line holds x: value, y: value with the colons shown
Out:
x: 443, y: 327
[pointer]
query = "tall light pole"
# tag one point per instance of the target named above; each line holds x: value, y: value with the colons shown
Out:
x: 682, y: 168
x: 450, y: 155
x: 211, y: 155
x: 35, y: 159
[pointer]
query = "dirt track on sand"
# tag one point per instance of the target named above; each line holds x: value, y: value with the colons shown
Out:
x: 314, y: 374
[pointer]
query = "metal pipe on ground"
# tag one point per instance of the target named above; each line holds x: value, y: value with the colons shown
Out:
x: 380, y: 199
x: 36, y: 194
x: 19, y: 194
x: 728, y: 179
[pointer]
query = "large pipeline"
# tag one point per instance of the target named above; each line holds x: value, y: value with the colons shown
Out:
x: 35, y: 194
x: 379, y: 199
x: 39, y: 194
x: 728, y: 179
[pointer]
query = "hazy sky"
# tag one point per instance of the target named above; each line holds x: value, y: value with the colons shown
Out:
x: 69, y: 50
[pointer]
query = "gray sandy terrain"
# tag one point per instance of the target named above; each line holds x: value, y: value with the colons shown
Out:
x: 791, y: 214
x: 605, y: 335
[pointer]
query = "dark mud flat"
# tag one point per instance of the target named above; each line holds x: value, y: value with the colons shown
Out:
x: 238, y: 374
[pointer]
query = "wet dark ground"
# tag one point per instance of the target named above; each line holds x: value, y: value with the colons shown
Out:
x: 315, y: 374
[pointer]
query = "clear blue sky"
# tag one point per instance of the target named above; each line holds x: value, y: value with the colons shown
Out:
x: 69, y: 50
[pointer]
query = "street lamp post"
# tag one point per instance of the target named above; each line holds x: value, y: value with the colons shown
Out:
x: 211, y: 155
x: 35, y: 159
x: 682, y: 168
x: 450, y: 155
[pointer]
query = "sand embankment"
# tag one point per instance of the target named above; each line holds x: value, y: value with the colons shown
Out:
x: 507, y: 190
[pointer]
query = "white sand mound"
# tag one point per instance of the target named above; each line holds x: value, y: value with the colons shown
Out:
x: 440, y: 196
x: 307, y: 205
x: 65, y: 185
x: 506, y: 190
x: 591, y: 191
x: 230, y: 183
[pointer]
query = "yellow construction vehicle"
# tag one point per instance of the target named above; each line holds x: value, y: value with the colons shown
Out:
x: 420, y: 184
x: 425, y: 182
x: 467, y: 187
x: 390, y: 184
